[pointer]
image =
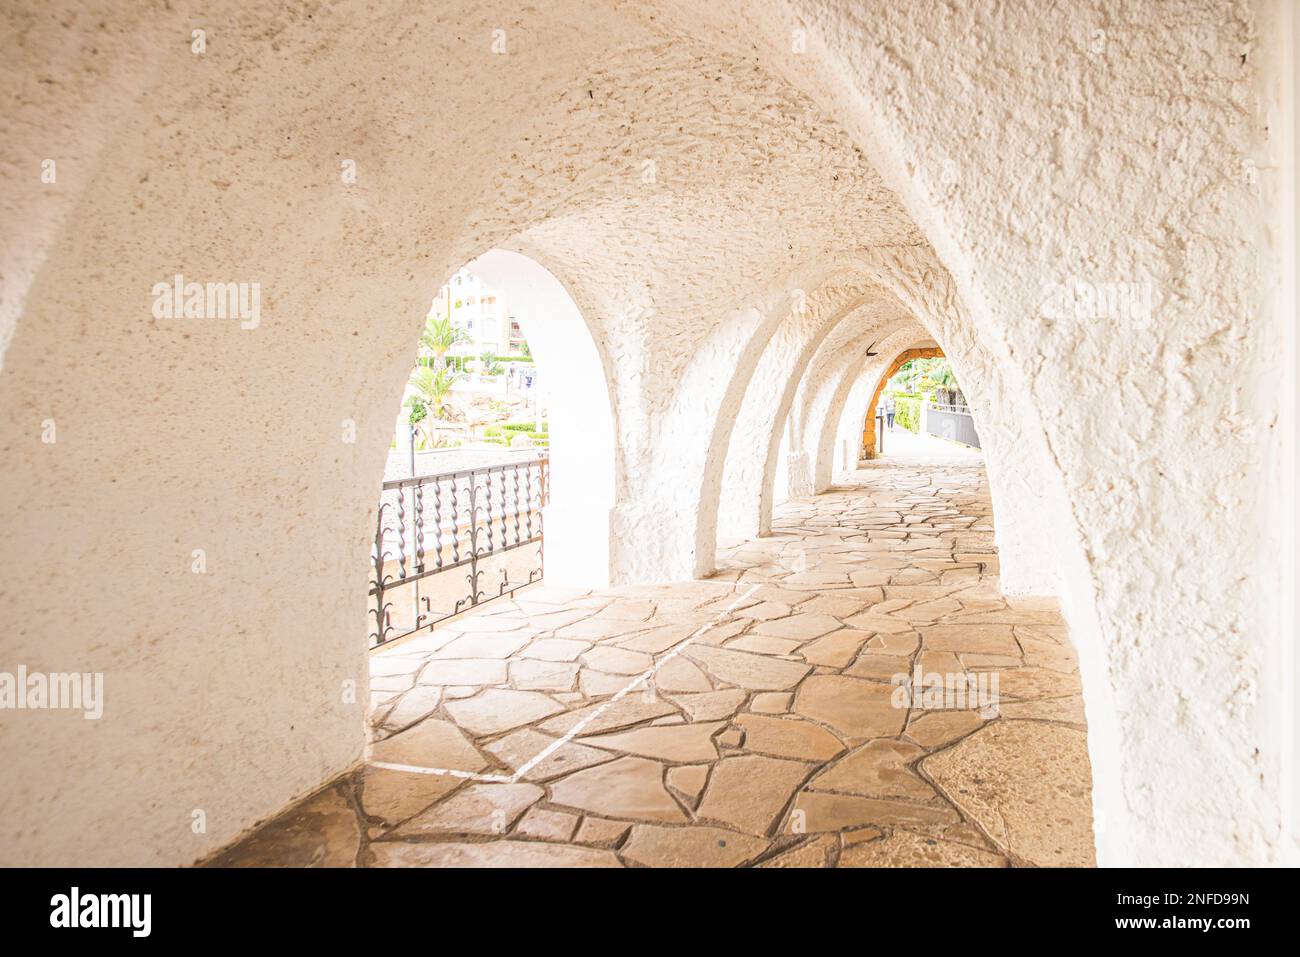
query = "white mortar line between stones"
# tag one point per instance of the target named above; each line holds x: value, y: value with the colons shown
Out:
x: 528, y: 766
x: 639, y: 679
x: 415, y: 769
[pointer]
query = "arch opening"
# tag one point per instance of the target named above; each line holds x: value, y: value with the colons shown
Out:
x: 515, y: 475
x: 583, y: 464
x: 567, y: 160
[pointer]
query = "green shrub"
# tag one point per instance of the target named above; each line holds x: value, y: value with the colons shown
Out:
x: 519, y: 426
x: 491, y: 431
x: 907, y: 413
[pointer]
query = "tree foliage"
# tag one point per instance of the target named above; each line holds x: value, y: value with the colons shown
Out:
x: 924, y: 375
x: 430, y: 390
x: 440, y: 336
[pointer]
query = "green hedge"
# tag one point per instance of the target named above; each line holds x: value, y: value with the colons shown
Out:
x: 502, y: 434
x: 540, y: 439
x: 907, y: 413
x: 529, y: 427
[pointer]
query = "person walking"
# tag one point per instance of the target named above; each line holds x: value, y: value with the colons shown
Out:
x: 889, y: 411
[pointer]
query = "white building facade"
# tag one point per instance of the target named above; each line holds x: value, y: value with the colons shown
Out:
x: 483, y: 313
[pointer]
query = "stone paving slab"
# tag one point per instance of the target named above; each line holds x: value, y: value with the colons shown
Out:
x: 826, y: 699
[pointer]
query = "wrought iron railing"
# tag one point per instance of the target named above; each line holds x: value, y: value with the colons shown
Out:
x: 476, y: 520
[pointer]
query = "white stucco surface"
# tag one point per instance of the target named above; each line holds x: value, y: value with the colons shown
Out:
x: 679, y: 171
x: 746, y: 483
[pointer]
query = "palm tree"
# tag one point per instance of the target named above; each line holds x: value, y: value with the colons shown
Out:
x: 440, y: 336
x: 941, y: 377
x: 432, y: 387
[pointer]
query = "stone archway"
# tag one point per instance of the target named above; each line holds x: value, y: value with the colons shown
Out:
x: 582, y: 451
x: 869, y: 421
x: 608, y: 138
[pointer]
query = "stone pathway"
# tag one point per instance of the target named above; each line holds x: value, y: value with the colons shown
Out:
x: 901, y: 444
x: 754, y: 719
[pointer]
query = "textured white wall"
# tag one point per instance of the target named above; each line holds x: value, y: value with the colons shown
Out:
x: 745, y: 508
x: 1153, y: 512
x: 767, y: 398
x: 678, y: 168
x: 1280, y: 26
x: 846, y: 449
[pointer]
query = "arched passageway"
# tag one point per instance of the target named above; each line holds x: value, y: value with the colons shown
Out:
x: 852, y: 690
x: 581, y: 422
x: 516, y: 479
x: 691, y: 185
x: 868, y: 441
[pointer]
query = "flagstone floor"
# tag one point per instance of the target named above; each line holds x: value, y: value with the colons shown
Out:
x: 748, y: 720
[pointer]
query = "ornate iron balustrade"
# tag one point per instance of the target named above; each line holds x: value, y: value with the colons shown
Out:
x: 479, y: 520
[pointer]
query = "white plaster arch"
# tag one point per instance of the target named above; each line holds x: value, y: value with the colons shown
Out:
x: 227, y: 167
x: 751, y: 472
x: 767, y: 395
x: 1096, y: 182
x: 1016, y: 457
x: 787, y: 444
x: 846, y: 451
x: 914, y: 278
x: 859, y: 380
x: 581, y: 422
x: 909, y: 276
x: 231, y: 173
x: 840, y: 354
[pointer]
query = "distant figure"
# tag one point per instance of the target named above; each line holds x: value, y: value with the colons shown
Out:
x: 889, y: 410
x: 510, y: 378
